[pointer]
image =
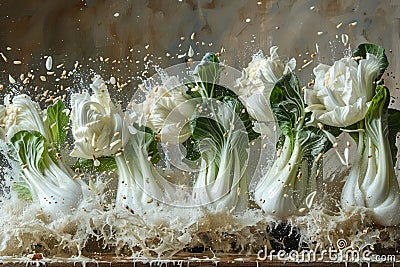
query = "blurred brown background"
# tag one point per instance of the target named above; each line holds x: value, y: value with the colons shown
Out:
x: 85, y: 30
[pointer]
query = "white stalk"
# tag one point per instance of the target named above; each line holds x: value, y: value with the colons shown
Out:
x: 141, y: 188
x: 276, y: 189
x: 372, y: 183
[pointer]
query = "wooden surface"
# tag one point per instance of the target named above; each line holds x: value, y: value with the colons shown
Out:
x: 227, y: 260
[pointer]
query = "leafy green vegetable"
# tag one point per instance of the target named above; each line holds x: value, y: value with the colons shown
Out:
x: 22, y: 189
x: 58, y: 121
x: 223, y: 142
x: 376, y: 50
x: 87, y: 165
x: 206, y: 77
x: 288, y: 105
x: 29, y: 148
x: 141, y: 188
x: 283, y: 190
x: 393, y: 120
x: 372, y: 182
x: 48, y: 181
x: 207, y: 73
x: 152, y: 148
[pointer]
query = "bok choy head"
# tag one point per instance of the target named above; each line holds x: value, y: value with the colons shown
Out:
x: 35, y: 138
x: 350, y: 94
x: 291, y: 184
x: 97, y: 124
x: 223, y: 143
x: 372, y: 183
x: 342, y: 92
x: 47, y: 182
x: 208, y: 122
x: 222, y: 129
x: 256, y: 84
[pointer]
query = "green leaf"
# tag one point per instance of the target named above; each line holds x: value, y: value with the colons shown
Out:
x: 218, y: 91
x: 376, y: 50
x: 152, y: 145
x: 393, y: 121
x: 29, y: 148
x: 207, y: 74
x: 192, y: 149
x: 22, y: 189
x: 58, y: 120
x: 287, y: 105
x: 379, y: 104
x: 225, y: 95
x: 377, y: 116
x: 209, y: 137
x: 313, y: 142
x: 87, y: 165
x: 390, y: 119
x: 207, y: 128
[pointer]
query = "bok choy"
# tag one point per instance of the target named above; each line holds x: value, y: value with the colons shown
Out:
x: 350, y: 95
x: 256, y: 84
x: 221, y: 184
x: 49, y: 182
x: 141, y: 188
x: 96, y: 123
x: 34, y: 138
x: 292, y: 182
x: 221, y: 130
x: 372, y: 183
